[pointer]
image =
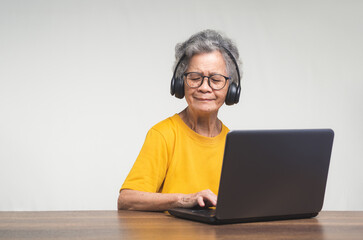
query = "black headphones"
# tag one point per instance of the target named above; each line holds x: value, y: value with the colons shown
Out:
x: 234, y: 91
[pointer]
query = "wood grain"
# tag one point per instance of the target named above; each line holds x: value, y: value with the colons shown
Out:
x: 151, y: 225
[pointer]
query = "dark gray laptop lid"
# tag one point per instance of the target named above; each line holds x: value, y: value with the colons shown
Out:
x: 274, y: 173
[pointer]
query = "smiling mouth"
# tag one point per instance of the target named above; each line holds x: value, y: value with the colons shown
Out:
x: 204, y: 99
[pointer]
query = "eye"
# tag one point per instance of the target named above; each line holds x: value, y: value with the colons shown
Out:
x: 217, y: 78
x: 194, y: 76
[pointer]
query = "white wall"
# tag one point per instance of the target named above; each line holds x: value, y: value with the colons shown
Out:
x: 81, y: 82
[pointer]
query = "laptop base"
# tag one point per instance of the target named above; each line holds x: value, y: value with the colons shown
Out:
x: 191, y: 215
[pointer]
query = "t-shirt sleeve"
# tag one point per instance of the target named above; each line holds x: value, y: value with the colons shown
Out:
x: 150, y: 167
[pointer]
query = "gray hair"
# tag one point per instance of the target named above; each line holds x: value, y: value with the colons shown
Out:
x: 205, y: 42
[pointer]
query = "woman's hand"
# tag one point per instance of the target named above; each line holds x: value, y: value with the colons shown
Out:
x: 205, y: 198
x: 138, y: 200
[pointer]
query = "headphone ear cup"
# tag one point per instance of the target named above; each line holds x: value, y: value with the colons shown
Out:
x: 172, y: 86
x: 179, y: 87
x: 233, y: 93
x: 177, y: 83
x: 236, y: 100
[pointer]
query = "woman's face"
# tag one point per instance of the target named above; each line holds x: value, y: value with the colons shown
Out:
x: 205, y: 100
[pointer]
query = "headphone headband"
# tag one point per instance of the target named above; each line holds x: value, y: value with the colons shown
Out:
x: 235, y: 63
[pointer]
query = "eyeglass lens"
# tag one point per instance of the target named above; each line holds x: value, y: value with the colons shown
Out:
x: 215, y: 81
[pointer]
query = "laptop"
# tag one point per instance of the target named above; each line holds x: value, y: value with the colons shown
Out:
x: 269, y: 175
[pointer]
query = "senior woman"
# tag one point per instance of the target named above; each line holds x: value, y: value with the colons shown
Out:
x: 180, y: 162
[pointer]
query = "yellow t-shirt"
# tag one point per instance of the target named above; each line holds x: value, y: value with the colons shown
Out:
x: 175, y: 159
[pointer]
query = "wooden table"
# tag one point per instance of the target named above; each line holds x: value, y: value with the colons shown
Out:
x: 151, y: 225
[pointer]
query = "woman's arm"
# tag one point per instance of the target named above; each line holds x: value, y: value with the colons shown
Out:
x: 138, y: 200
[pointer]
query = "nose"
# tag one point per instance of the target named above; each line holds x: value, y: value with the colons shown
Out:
x: 205, y: 85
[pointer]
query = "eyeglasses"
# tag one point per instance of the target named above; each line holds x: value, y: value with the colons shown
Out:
x: 196, y: 79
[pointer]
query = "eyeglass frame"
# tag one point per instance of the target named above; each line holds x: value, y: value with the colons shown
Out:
x: 208, y: 77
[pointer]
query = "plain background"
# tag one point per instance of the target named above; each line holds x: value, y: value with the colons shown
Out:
x: 81, y: 82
